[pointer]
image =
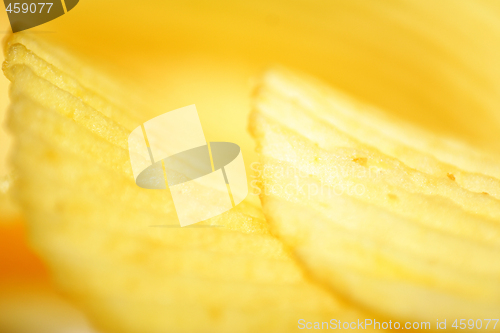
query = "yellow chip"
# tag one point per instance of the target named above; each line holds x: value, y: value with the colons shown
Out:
x: 406, y: 243
x: 114, y: 247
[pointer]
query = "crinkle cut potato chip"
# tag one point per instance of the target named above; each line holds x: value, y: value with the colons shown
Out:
x: 92, y: 224
x: 397, y: 220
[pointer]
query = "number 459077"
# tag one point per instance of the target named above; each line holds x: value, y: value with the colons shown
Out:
x: 471, y: 323
x: 29, y: 7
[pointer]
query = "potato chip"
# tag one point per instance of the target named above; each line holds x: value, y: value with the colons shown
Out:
x: 115, y: 248
x: 366, y: 126
x: 393, y: 237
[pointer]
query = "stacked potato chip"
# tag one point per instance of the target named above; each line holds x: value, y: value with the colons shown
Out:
x: 396, y: 219
x: 99, y: 232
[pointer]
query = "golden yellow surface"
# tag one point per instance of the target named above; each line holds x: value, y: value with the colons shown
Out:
x: 114, y: 247
x: 432, y: 63
x: 403, y: 242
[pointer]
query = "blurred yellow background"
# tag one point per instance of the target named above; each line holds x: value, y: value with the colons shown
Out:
x: 434, y: 63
